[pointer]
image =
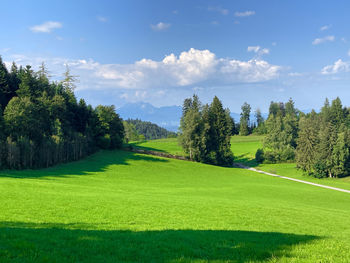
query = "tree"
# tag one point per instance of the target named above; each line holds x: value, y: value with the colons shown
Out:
x: 4, y: 85
x: 244, y: 121
x: 220, y: 140
x: 336, y: 111
x: 260, y: 123
x: 340, y: 156
x: 111, y: 124
x: 24, y: 118
x: 131, y: 133
x: 307, y: 142
x: 205, y: 132
x: 28, y: 86
x: 191, y: 127
x: 69, y: 80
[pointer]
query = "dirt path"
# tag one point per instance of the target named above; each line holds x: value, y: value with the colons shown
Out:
x: 292, y: 179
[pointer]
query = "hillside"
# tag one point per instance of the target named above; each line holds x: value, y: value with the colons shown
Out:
x: 244, y: 149
x: 150, y: 130
x: 120, y: 206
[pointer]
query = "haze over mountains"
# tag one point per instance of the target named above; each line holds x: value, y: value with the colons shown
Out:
x: 167, y: 117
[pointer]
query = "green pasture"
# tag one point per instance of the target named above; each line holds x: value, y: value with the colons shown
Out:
x: 118, y: 206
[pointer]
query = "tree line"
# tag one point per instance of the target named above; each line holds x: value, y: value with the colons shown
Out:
x: 319, y: 143
x: 138, y: 130
x: 42, y: 123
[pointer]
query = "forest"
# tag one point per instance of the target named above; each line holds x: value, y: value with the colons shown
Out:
x: 138, y: 130
x: 318, y: 142
x: 42, y: 123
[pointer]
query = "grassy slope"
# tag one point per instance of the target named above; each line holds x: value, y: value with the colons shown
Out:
x: 244, y: 149
x: 125, y: 207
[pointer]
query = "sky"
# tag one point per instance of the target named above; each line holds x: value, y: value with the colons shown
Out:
x: 162, y: 52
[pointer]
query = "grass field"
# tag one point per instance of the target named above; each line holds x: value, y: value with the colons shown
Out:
x: 118, y: 206
x: 244, y: 149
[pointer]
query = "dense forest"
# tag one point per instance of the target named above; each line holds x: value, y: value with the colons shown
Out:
x: 205, y: 131
x: 138, y: 130
x: 42, y: 123
x: 319, y: 143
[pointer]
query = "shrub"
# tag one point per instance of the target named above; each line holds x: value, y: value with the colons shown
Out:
x: 259, y: 155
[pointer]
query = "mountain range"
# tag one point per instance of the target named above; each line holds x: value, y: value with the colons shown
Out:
x: 167, y: 117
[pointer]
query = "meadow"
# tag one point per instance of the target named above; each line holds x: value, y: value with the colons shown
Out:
x: 118, y: 206
x: 244, y: 149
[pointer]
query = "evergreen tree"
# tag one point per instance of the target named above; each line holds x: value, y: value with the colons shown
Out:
x: 4, y: 85
x: 307, y: 142
x: 69, y: 80
x: 191, y: 127
x: 221, y: 133
x: 337, y: 115
x: 244, y: 121
x: 340, y: 157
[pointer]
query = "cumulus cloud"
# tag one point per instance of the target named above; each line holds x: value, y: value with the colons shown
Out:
x: 337, y: 67
x: 245, y: 13
x: 219, y: 9
x: 324, y: 28
x: 190, y: 68
x: 318, y: 41
x: 46, y: 27
x: 160, y: 26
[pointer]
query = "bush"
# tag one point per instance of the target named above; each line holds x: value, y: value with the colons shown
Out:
x: 259, y: 155
x: 320, y: 170
x: 270, y: 157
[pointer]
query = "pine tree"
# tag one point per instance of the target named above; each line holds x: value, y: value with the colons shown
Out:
x: 69, y: 80
x: 323, y: 155
x: 307, y: 142
x: 340, y: 157
x: 4, y: 85
x: 337, y: 115
x: 244, y: 121
x: 191, y: 127
x: 221, y: 133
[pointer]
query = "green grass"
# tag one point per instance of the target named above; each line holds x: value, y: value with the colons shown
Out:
x: 169, y: 145
x: 118, y: 206
x: 244, y: 149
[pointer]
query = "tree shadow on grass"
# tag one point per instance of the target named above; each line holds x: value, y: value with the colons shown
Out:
x: 97, y: 162
x: 246, y: 160
x: 21, y: 242
x: 137, y: 145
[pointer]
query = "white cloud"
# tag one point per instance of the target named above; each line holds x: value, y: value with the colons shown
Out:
x: 245, y: 13
x: 295, y: 74
x: 191, y: 68
x: 46, y: 27
x: 258, y: 50
x: 338, y: 67
x: 219, y: 9
x: 160, y: 26
x: 322, y: 40
x: 102, y: 19
x: 326, y: 27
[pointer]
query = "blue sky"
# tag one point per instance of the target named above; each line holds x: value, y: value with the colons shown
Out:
x: 163, y: 51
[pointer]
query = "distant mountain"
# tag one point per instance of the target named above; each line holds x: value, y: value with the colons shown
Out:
x: 167, y: 117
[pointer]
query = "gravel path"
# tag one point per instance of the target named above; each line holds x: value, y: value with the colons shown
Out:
x: 292, y: 179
